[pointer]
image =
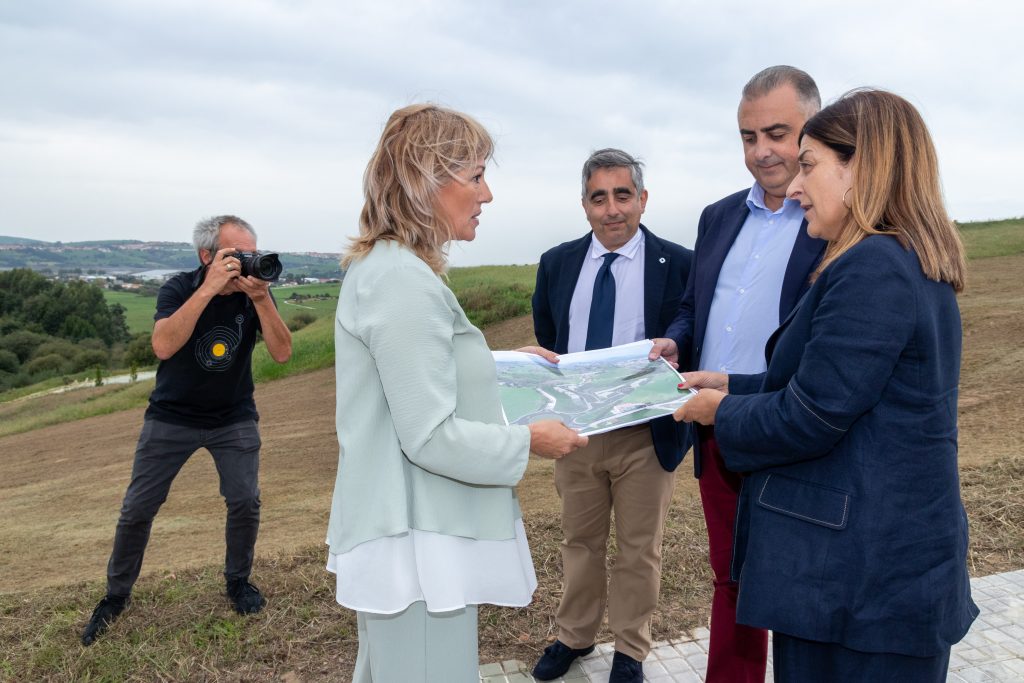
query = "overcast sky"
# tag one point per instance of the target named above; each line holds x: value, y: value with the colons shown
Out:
x: 132, y: 119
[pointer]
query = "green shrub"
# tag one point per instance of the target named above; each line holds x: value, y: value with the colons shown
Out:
x: 50, y: 365
x: 60, y: 347
x: 89, y: 358
x: 22, y: 343
x: 140, y: 350
x: 8, y: 325
x: 8, y: 361
x: 92, y: 344
x: 300, y: 320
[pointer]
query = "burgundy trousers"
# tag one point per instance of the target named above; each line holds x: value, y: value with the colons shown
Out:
x: 737, y: 654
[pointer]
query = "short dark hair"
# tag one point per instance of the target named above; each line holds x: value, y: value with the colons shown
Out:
x: 613, y: 158
x: 766, y: 80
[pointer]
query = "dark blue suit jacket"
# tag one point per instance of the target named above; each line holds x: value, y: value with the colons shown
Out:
x: 719, y: 225
x: 850, y: 528
x: 666, y: 268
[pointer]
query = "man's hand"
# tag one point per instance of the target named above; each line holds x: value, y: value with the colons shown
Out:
x: 221, y: 271
x: 552, y: 439
x: 256, y: 289
x: 706, y: 380
x: 701, y: 408
x: 549, y: 356
x: 667, y: 349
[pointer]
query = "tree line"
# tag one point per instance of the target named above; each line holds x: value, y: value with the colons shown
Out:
x: 50, y: 328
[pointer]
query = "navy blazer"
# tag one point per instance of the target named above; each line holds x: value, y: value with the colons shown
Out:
x: 850, y: 527
x: 666, y: 268
x: 719, y: 225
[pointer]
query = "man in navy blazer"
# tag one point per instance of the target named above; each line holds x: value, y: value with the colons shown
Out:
x: 630, y: 470
x: 752, y: 261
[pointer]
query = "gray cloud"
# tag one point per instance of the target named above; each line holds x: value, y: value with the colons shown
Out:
x: 122, y: 120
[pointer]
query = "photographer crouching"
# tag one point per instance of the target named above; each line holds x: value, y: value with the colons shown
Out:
x: 206, y: 326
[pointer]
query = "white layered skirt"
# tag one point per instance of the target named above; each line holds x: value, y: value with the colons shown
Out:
x: 386, y: 575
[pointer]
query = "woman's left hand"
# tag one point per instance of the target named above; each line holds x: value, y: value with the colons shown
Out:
x: 701, y: 408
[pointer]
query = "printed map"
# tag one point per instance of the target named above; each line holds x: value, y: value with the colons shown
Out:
x: 592, y: 391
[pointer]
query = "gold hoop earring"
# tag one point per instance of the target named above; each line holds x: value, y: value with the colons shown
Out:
x: 844, y: 198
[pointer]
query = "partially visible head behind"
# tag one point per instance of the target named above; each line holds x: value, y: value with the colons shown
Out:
x: 775, y: 104
x: 894, y: 180
x: 614, y: 197
x: 613, y: 158
x: 423, y: 147
x: 206, y: 237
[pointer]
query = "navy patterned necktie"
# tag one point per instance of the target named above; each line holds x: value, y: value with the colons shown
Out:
x: 602, y: 306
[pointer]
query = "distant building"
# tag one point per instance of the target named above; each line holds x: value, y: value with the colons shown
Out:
x: 155, y: 275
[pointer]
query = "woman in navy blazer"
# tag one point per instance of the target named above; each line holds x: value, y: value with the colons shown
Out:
x: 851, y: 536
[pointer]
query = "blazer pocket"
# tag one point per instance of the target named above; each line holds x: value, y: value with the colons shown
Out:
x: 813, y: 503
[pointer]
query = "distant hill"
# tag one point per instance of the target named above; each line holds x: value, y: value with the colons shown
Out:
x: 114, y: 257
x: 4, y: 239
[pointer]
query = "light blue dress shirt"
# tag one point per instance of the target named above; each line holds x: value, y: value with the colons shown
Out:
x: 745, y: 308
x: 628, y: 271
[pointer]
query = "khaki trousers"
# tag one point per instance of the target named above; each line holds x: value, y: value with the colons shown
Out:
x: 616, y: 472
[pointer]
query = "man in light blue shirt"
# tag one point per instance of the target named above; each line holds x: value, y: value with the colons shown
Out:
x: 745, y: 308
x: 752, y: 261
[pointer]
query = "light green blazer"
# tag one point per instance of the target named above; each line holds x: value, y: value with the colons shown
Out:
x: 422, y: 441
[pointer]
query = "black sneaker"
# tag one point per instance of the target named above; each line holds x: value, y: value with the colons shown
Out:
x: 103, y: 616
x: 557, y: 659
x: 244, y: 596
x: 625, y: 669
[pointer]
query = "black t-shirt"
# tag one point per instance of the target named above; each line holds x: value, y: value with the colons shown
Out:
x: 208, y: 382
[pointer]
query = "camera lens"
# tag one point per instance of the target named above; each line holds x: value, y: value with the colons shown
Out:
x: 266, y: 266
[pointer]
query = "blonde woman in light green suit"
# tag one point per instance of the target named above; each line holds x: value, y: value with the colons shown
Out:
x: 425, y: 523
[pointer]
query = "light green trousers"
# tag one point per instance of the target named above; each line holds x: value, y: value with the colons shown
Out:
x: 417, y: 646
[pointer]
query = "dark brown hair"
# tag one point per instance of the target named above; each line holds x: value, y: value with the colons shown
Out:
x: 896, y: 189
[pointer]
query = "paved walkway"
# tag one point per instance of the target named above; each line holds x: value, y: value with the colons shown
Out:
x: 993, y: 650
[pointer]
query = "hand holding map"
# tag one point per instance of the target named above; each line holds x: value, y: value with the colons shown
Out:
x: 592, y: 391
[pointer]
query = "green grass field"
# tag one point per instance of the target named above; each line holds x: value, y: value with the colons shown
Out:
x: 489, y: 294
x: 985, y: 239
x: 312, y: 349
x: 139, y: 309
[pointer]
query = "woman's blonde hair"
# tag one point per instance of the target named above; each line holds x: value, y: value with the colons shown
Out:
x: 896, y: 189
x: 422, y: 148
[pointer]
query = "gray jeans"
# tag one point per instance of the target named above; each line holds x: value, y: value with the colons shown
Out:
x: 161, y: 452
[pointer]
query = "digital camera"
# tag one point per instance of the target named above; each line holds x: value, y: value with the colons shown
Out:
x: 262, y: 266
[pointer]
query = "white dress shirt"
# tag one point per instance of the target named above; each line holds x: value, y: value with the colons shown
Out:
x: 628, y: 271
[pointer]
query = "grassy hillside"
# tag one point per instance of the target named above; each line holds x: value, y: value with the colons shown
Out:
x: 489, y: 294
x: 138, y: 310
x: 985, y: 239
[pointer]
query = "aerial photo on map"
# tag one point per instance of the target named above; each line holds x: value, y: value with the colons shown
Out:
x: 591, y: 391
